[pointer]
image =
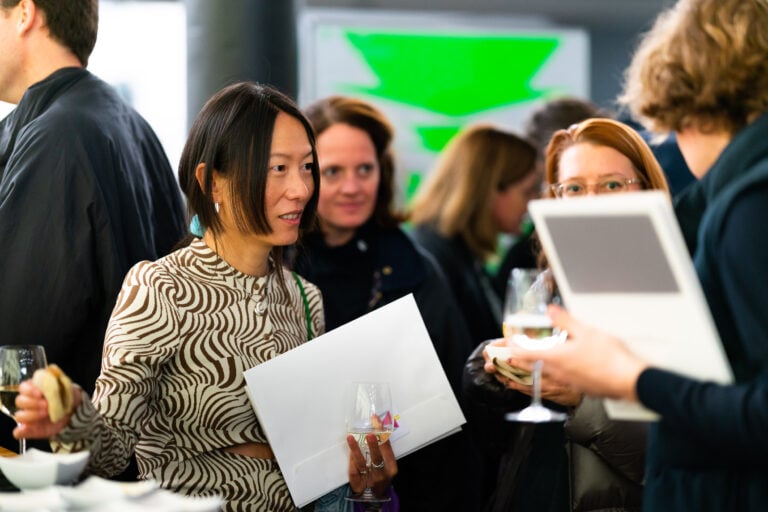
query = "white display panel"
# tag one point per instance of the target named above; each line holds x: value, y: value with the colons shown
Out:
x: 621, y: 265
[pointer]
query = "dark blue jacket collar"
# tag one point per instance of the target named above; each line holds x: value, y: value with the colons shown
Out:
x: 744, y: 150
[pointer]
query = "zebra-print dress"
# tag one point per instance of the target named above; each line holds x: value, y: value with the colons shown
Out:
x: 183, y: 330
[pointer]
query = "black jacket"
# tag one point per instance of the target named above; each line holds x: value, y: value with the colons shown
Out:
x: 590, y: 464
x: 606, y: 459
x: 86, y: 191
x: 472, y: 288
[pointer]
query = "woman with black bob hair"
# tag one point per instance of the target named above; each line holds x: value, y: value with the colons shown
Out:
x: 187, y: 326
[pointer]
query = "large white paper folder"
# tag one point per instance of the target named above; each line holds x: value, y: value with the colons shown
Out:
x: 621, y: 264
x: 299, y: 396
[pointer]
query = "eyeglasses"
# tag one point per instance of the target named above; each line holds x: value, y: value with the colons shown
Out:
x: 605, y: 185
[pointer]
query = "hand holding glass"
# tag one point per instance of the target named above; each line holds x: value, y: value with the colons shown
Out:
x: 17, y: 364
x: 529, y: 292
x: 369, y: 412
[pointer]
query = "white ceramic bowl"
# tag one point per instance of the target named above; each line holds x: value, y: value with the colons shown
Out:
x: 37, y: 469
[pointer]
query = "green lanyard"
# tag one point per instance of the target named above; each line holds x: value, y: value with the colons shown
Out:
x: 310, y: 334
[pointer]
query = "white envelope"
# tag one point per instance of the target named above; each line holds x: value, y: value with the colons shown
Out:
x: 299, y: 396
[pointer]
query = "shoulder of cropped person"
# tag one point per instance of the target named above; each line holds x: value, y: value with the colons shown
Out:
x: 621, y: 444
x: 441, y: 314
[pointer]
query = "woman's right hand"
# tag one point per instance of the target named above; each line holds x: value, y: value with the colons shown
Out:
x: 32, y: 415
x: 551, y: 390
x: 592, y: 361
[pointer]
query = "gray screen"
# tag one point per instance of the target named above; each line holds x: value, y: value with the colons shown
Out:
x: 617, y: 254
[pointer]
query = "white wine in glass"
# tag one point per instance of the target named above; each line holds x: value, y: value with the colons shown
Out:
x: 17, y: 364
x: 369, y: 411
x: 529, y: 292
x: 533, y: 326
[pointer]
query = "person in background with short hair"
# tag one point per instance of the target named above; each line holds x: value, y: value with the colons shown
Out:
x: 86, y: 189
x: 558, y: 114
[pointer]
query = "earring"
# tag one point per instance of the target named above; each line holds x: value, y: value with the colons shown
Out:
x: 216, y: 207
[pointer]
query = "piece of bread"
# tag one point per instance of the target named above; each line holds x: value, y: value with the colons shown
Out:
x: 57, y: 389
x: 499, y: 355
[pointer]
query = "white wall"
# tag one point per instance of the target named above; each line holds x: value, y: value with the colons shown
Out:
x: 141, y: 50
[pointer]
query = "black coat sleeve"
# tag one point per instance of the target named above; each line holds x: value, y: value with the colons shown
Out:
x: 49, y: 271
x: 486, y: 402
x: 443, y: 321
x: 620, y: 444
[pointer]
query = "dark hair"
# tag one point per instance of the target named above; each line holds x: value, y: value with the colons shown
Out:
x: 232, y: 134
x: 73, y: 23
x: 557, y: 114
x: 362, y: 115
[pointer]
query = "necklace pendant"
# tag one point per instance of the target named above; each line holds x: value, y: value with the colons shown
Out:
x: 260, y: 308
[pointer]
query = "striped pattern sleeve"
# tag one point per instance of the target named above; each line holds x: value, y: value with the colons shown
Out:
x: 141, y: 335
x: 183, y: 332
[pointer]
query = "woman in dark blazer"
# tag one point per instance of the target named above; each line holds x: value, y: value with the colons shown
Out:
x: 361, y: 259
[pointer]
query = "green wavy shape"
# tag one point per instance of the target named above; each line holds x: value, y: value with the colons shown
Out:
x: 434, y: 138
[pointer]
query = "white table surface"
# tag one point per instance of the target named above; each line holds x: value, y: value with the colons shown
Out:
x: 99, y: 494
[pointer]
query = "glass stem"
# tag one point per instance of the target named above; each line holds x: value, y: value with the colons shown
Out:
x: 367, y: 490
x: 537, y: 383
x: 22, y: 446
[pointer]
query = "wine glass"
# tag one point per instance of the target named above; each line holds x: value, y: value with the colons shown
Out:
x: 529, y: 291
x: 369, y: 412
x: 17, y: 364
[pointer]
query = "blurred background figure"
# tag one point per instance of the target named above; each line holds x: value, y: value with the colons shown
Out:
x: 86, y: 189
x: 361, y: 259
x: 479, y: 188
x: 667, y: 152
x: 593, y: 463
x: 671, y: 159
x: 557, y: 114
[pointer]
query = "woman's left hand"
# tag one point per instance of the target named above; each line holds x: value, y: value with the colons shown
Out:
x: 378, y: 476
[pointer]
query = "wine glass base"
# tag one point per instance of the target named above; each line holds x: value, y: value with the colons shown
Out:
x: 536, y: 414
x: 367, y: 498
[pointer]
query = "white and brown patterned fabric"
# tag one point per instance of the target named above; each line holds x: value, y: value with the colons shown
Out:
x: 182, y: 333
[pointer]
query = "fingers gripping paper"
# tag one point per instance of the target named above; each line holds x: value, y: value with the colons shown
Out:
x: 299, y: 396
